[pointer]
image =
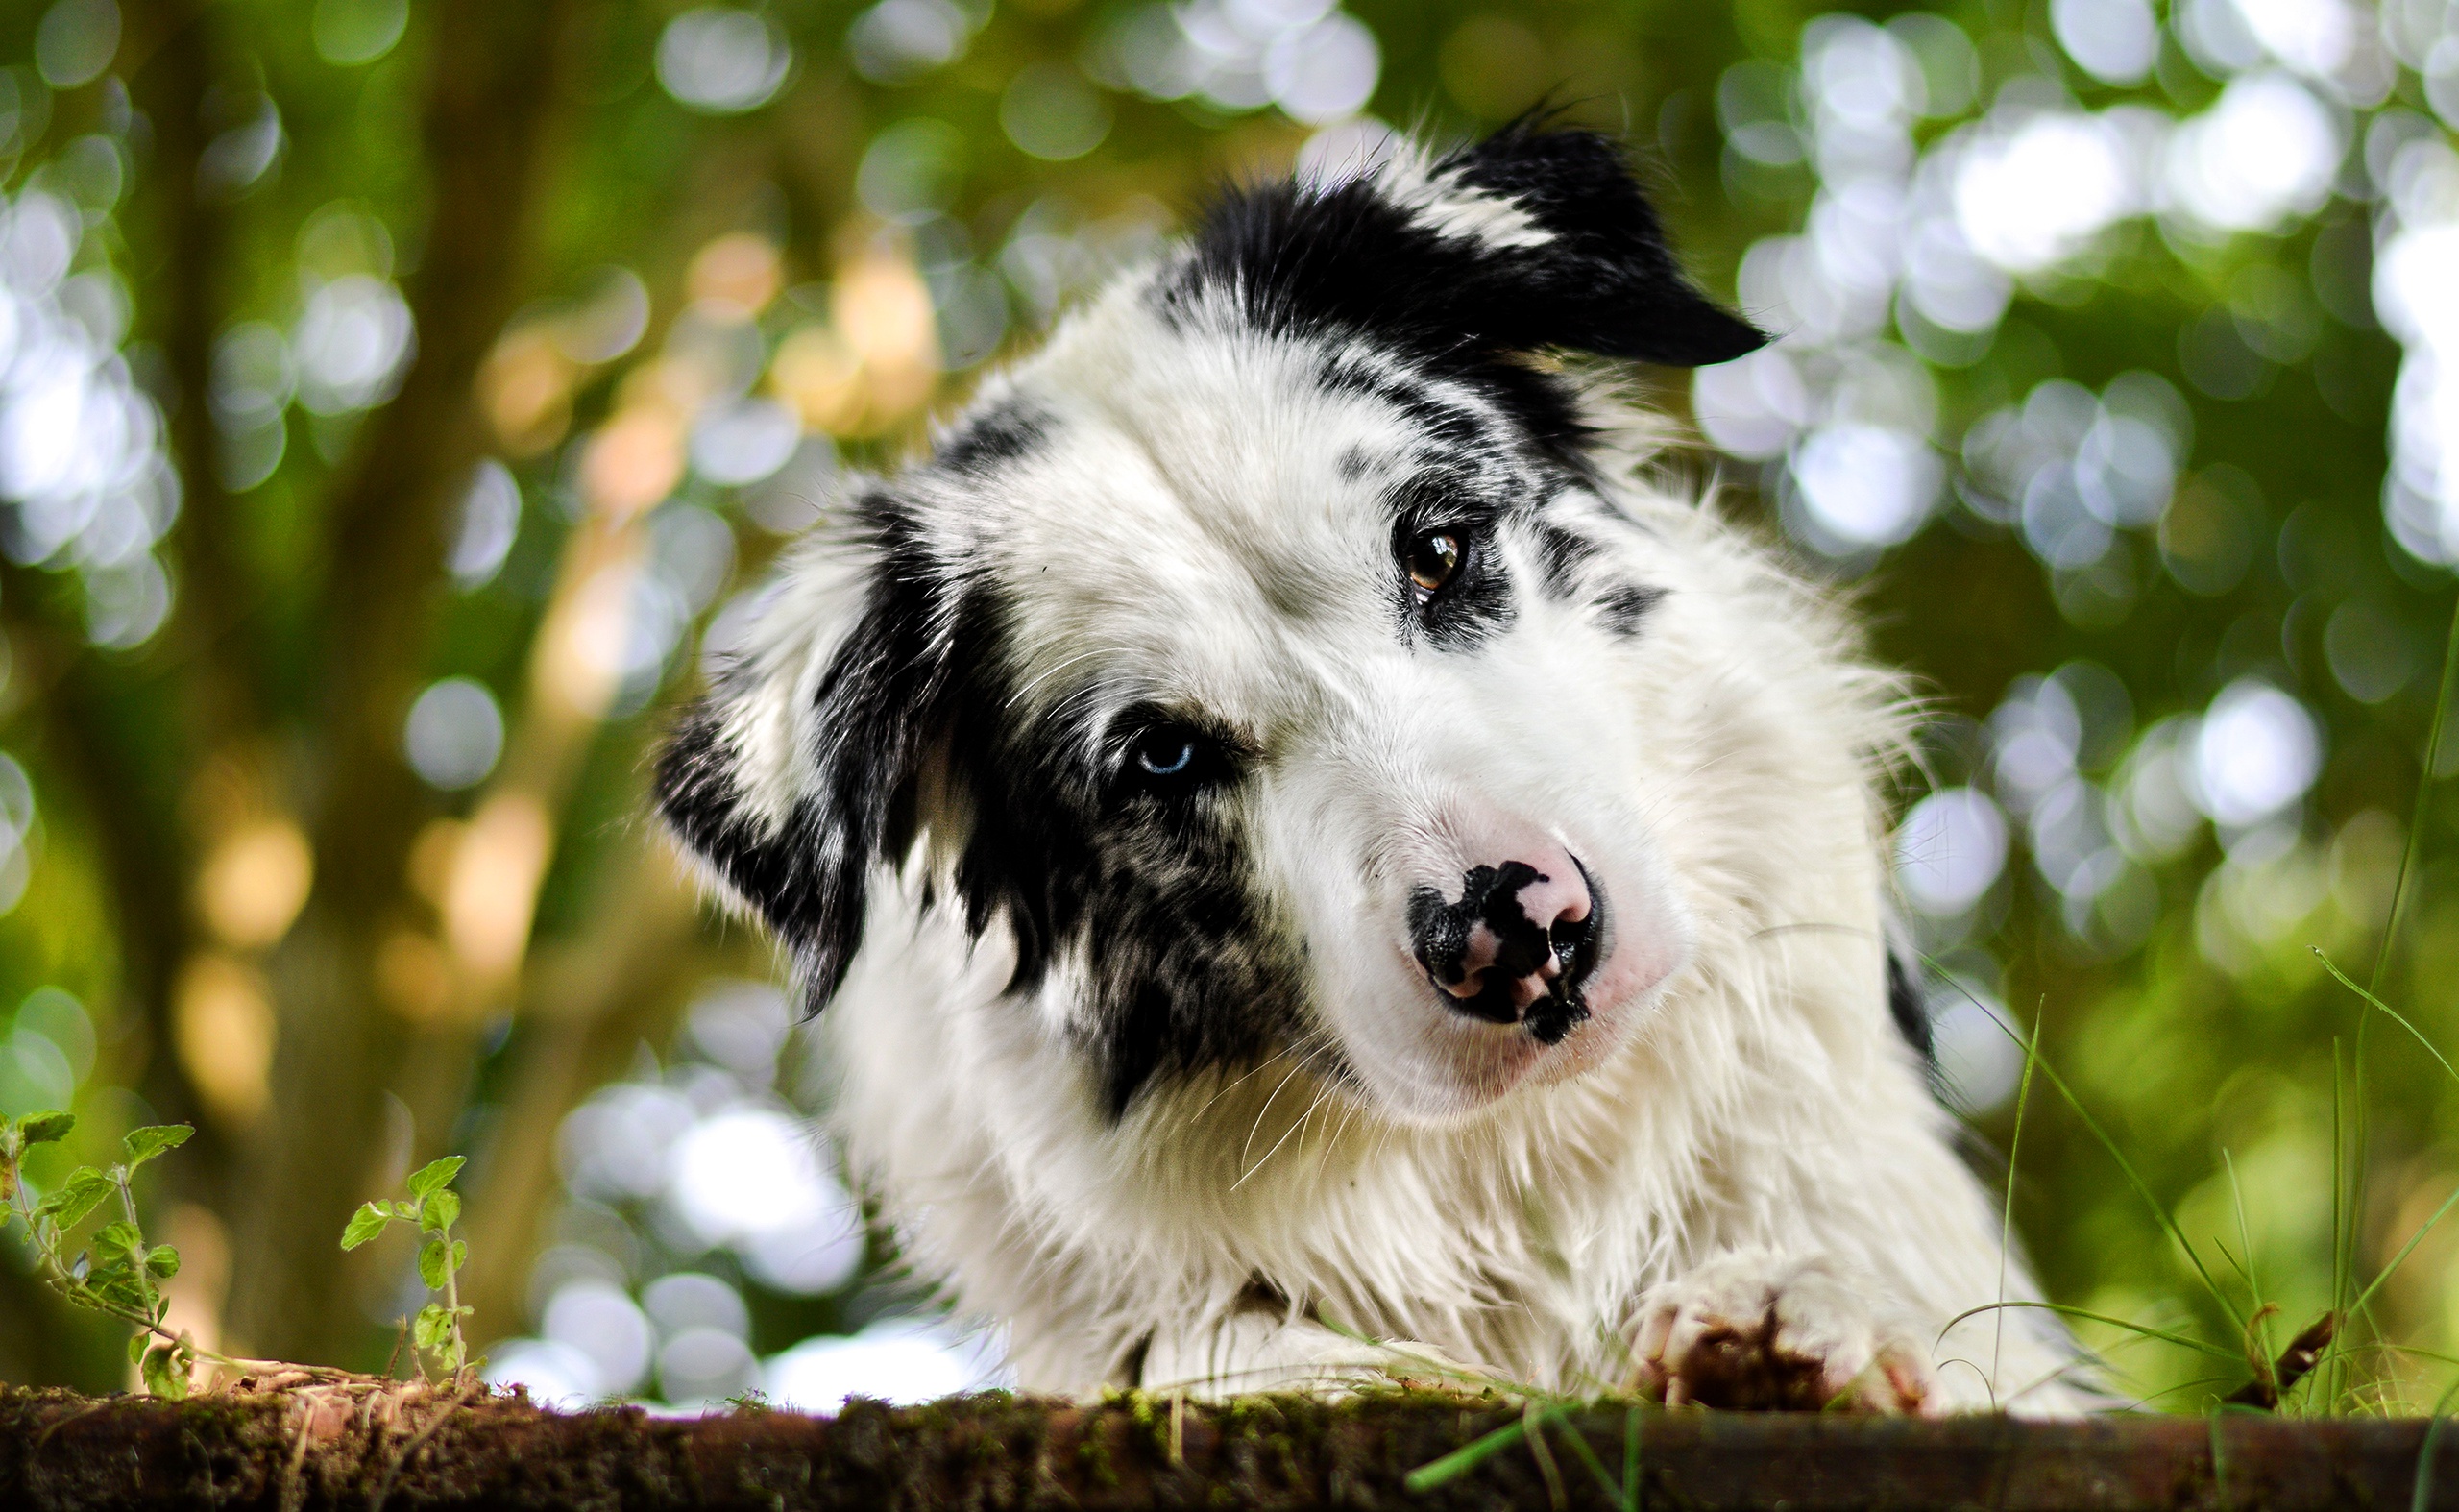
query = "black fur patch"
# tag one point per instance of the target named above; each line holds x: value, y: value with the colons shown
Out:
x: 1560, y: 555
x: 1144, y: 882
x: 1625, y: 606
x: 885, y: 688
x: 995, y: 437
x: 1911, y: 1016
x: 1306, y: 261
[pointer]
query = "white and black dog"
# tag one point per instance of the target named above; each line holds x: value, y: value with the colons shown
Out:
x: 1300, y: 839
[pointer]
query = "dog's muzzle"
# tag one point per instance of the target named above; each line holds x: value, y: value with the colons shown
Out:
x: 1518, y: 944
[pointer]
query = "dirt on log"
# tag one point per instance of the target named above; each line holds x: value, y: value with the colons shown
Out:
x: 298, y: 1450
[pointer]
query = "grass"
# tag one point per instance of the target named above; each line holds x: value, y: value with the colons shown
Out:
x: 2340, y: 1380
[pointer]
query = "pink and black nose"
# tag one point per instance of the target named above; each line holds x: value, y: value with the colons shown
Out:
x: 1516, y: 946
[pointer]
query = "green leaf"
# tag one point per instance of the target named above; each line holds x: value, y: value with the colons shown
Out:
x: 163, y: 1262
x: 432, y: 1329
x: 81, y: 1194
x: 461, y: 1258
x: 435, y: 1176
x: 138, y: 1343
x: 46, y: 1127
x: 116, y: 1243
x: 371, y: 1220
x: 431, y: 1260
x: 144, y: 1144
x: 440, y: 1211
x: 118, y: 1285
x: 166, y: 1371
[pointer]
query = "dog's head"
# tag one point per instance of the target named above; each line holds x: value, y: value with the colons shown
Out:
x: 1259, y: 655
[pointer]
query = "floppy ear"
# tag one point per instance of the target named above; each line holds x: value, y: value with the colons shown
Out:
x: 1529, y: 239
x: 795, y: 776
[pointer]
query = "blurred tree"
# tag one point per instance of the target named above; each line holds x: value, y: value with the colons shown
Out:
x: 394, y: 401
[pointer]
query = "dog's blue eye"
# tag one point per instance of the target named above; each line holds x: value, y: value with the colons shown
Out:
x: 1164, y: 754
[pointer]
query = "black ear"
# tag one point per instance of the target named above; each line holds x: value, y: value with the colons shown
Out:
x: 796, y: 776
x: 1607, y: 281
x: 1529, y: 239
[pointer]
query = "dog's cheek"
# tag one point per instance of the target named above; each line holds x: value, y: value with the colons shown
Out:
x: 1189, y: 973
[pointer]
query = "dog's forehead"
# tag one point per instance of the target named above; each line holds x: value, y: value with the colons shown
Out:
x: 1199, y: 514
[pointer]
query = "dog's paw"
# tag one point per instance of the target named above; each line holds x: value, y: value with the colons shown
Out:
x: 1756, y: 1330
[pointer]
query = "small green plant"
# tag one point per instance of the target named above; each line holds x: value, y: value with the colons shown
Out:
x: 432, y: 1210
x: 117, y: 1273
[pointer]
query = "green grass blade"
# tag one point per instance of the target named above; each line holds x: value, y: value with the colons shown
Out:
x: 2245, y: 1233
x: 1587, y: 1456
x: 1467, y: 1458
x: 2389, y: 1012
x: 2415, y: 845
x: 2409, y: 853
x: 2421, y: 1500
x: 2126, y: 1167
x: 1632, y: 1421
x: 2144, y: 1330
x: 2408, y: 1249
x: 2007, y: 1217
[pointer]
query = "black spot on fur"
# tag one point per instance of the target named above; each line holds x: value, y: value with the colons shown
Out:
x: 885, y: 688
x: 1625, y: 606
x: 1560, y: 555
x: 1444, y: 426
x: 1307, y: 259
x: 995, y: 437
x: 1143, y: 882
x: 1911, y: 1016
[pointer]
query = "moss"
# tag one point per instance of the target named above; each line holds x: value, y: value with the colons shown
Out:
x: 996, y: 1452
x: 1093, y: 1457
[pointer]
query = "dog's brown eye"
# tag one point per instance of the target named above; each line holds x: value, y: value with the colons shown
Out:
x: 1434, y: 559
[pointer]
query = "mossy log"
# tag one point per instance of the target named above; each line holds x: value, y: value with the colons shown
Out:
x: 302, y: 1450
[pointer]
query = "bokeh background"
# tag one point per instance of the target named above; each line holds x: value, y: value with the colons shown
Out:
x: 399, y: 404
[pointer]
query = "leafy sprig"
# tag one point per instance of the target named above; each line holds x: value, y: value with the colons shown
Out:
x: 432, y: 1210
x: 117, y: 1273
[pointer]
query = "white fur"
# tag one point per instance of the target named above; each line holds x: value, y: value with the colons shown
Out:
x: 1741, y: 1119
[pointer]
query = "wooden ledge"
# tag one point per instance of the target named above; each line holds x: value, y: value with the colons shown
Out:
x: 304, y: 1450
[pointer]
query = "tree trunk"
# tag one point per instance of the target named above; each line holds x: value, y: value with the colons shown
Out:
x: 497, y: 85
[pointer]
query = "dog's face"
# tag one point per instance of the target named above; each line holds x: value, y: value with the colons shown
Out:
x: 1258, y: 656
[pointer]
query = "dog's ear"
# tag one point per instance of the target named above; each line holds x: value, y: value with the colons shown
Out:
x: 1529, y: 239
x: 795, y: 776
x: 1591, y: 270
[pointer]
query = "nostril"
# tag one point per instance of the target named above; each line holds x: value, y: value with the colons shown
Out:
x: 1516, y: 937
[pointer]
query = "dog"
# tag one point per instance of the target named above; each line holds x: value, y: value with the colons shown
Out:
x: 1306, y: 839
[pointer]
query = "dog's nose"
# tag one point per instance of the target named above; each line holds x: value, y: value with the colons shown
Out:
x: 1520, y: 932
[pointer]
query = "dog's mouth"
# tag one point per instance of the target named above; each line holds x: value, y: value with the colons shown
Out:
x: 1562, y: 957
